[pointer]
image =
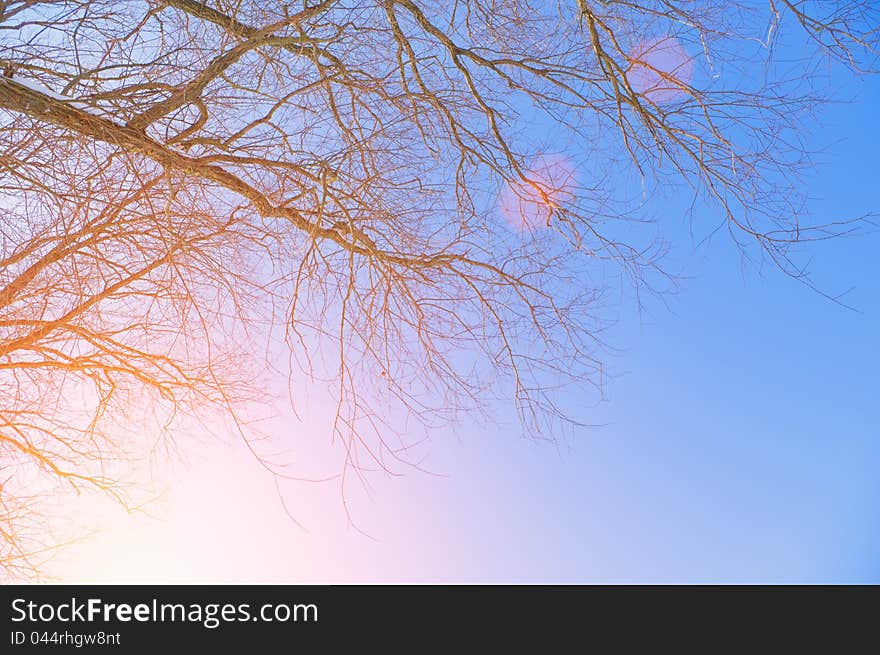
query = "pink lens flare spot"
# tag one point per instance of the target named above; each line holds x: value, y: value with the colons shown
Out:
x: 528, y: 204
x: 660, y: 69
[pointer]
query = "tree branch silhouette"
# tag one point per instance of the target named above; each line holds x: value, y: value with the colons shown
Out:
x: 181, y: 180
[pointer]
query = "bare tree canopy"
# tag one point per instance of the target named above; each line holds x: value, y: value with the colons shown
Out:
x: 422, y: 200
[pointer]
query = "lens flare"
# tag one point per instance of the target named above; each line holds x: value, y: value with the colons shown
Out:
x: 660, y: 69
x: 528, y: 205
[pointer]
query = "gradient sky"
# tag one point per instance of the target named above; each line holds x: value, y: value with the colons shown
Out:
x: 740, y: 443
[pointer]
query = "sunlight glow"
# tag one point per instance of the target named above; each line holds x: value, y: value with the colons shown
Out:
x: 528, y: 205
x: 660, y: 69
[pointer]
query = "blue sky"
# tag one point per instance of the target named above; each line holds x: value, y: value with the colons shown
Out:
x: 743, y: 428
x: 740, y: 442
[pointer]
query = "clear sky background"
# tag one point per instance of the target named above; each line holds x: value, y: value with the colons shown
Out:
x: 740, y: 443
